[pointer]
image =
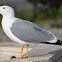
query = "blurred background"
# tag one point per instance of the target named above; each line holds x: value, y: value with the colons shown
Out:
x: 45, y: 13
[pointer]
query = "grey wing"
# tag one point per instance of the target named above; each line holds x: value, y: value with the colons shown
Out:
x: 30, y: 32
x: 23, y: 24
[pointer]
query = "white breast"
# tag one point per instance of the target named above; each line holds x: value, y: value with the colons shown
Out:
x: 6, y: 25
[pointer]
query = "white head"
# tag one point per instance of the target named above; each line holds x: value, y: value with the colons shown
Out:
x: 6, y: 10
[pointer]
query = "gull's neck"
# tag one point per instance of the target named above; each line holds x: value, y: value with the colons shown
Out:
x: 8, y: 16
x: 7, y: 20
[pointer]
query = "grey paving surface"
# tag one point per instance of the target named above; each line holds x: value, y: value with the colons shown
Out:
x: 40, y: 52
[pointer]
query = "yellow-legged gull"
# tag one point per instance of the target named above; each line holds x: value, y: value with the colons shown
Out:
x: 22, y: 31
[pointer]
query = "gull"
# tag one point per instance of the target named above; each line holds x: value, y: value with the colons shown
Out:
x: 23, y: 31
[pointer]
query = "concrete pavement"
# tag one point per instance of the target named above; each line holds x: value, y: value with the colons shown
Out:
x: 37, y: 52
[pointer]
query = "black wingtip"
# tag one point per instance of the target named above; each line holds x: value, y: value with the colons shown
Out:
x: 59, y: 42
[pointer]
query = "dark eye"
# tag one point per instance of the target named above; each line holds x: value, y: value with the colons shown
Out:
x: 3, y: 7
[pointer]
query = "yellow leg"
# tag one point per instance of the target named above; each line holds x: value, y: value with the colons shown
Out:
x: 26, y: 52
x: 22, y: 51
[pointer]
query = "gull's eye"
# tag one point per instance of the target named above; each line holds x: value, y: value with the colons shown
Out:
x: 3, y: 7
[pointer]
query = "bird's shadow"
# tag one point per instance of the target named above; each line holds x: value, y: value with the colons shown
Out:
x: 54, y: 51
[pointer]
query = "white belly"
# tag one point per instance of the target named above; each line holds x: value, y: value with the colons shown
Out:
x: 6, y: 27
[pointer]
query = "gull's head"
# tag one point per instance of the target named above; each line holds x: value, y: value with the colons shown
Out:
x: 6, y: 10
